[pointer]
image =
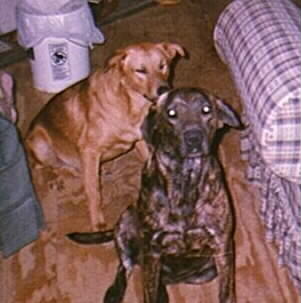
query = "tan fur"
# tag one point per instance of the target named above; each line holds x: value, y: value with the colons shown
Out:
x: 99, y: 118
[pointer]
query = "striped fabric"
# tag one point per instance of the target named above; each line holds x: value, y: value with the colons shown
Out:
x: 260, y: 41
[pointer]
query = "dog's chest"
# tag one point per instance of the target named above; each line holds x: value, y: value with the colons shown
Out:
x: 186, y: 218
x: 118, y: 139
x: 126, y: 123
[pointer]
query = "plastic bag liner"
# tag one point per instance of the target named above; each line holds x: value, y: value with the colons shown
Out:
x: 69, y: 19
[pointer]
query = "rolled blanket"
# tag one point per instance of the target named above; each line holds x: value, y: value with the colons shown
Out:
x: 260, y: 41
x: 21, y: 217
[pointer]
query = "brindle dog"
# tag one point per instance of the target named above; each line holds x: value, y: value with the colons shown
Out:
x: 181, y: 229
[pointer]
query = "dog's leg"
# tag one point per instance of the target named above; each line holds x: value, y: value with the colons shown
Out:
x: 42, y: 153
x: 152, y: 280
x: 116, y: 292
x: 127, y: 244
x: 91, y: 181
x: 142, y: 150
x: 39, y: 146
x: 225, y: 266
x: 162, y: 294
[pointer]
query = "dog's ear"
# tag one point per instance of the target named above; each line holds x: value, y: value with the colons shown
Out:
x: 117, y: 59
x: 227, y: 115
x: 172, y: 49
x: 149, y: 125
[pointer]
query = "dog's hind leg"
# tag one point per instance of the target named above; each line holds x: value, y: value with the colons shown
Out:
x: 43, y: 153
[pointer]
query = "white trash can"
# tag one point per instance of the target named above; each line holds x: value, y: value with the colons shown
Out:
x: 57, y: 63
x: 58, y: 42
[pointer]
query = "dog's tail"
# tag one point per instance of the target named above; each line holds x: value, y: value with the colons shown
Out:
x: 98, y: 237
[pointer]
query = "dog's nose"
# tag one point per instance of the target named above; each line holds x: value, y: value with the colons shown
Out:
x: 193, y: 140
x: 162, y: 89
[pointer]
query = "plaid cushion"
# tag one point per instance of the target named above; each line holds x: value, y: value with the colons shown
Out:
x: 260, y: 41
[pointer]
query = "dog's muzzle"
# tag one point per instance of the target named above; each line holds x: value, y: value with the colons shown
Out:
x: 193, y: 140
x: 162, y: 90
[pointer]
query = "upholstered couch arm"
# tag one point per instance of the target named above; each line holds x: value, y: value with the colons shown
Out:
x: 259, y: 41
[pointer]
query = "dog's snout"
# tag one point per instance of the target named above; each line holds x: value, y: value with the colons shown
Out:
x: 162, y: 89
x: 193, y: 140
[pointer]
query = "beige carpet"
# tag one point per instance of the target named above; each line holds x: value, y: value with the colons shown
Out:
x: 54, y: 270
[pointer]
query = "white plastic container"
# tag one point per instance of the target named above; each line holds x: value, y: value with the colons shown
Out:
x: 58, y: 36
x: 57, y: 63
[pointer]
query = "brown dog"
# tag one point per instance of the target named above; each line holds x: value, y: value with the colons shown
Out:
x: 181, y: 229
x: 99, y: 118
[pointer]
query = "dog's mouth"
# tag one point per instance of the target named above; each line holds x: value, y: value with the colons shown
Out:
x: 195, y: 153
x: 160, y: 93
x: 150, y: 99
x: 193, y: 143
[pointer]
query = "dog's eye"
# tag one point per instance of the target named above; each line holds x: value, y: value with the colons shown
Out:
x: 141, y: 70
x: 206, y: 109
x: 162, y: 66
x: 172, y: 113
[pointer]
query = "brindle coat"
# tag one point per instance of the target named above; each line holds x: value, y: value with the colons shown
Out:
x: 181, y: 229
